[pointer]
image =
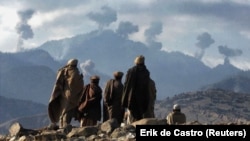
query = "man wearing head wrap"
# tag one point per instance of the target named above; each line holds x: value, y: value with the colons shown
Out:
x: 66, y: 94
x: 136, y: 92
x: 176, y: 116
x: 90, y: 103
x: 112, y: 98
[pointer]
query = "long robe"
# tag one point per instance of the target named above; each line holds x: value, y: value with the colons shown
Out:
x: 136, y: 93
x: 112, y: 99
x: 90, y: 103
x: 66, y: 92
x: 152, y: 97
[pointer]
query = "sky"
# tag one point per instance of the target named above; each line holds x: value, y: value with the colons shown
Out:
x: 210, y: 30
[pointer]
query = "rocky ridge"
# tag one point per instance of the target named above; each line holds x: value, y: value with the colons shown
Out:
x: 212, y: 106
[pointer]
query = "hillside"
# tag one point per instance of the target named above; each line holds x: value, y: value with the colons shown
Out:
x: 11, y: 108
x: 237, y: 83
x: 28, y: 75
x: 211, y: 106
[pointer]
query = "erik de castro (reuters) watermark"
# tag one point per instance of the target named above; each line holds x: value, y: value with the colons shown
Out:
x: 206, y: 132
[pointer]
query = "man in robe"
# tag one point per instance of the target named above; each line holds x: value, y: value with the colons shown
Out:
x: 136, y: 89
x: 90, y: 103
x: 113, y: 97
x: 66, y: 94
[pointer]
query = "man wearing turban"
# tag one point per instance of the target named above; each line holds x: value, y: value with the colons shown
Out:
x: 90, y: 103
x: 112, y: 98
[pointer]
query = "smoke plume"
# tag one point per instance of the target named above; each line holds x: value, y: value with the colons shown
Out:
x: 23, y: 29
x: 228, y: 52
x: 204, y: 41
x: 105, y: 18
x: 87, y: 67
x: 151, y: 33
x: 126, y: 28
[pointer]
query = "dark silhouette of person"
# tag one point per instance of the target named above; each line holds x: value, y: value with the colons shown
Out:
x: 136, y: 89
x: 113, y: 96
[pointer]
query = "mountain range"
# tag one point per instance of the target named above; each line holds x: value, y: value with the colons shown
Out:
x: 30, y: 74
x: 174, y: 72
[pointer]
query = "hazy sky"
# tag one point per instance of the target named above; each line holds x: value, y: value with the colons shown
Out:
x: 210, y: 30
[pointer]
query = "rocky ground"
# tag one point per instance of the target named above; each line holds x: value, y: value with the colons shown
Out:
x: 106, y: 131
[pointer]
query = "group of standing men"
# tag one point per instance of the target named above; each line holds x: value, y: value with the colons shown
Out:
x: 71, y: 98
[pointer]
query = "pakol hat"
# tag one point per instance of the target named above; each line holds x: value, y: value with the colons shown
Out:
x: 176, y: 107
x: 118, y: 74
x: 72, y: 62
x: 94, y: 77
x: 139, y: 60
